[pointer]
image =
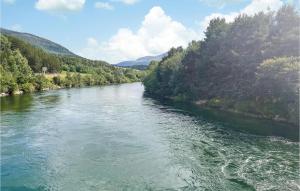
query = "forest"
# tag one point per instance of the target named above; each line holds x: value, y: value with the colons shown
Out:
x: 249, y: 66
x: 21, y: 69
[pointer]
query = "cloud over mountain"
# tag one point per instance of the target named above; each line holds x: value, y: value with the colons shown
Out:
x: 157, y: 33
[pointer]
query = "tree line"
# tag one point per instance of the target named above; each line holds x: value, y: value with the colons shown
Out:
x: 250, y: 65
x: 21, y: 69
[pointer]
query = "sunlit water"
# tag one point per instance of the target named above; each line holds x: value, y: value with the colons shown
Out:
x: 114, y: 138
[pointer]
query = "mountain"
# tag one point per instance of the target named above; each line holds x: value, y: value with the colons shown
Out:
x: 46, y: 45
x: 22, y: 64
x: 143, y: 61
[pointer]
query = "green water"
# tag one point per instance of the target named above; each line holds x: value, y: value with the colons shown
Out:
x: 114, y: 138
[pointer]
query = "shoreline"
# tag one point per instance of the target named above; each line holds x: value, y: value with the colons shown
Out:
x: 20, y: 92
x: 202, y: 104
x: 248, y: 114
x: 252, y: 115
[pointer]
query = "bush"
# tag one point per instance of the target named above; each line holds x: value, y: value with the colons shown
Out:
x: 42, y: 83
x: 278, y: 80
x: 27, y: 87
x: 57, y: 80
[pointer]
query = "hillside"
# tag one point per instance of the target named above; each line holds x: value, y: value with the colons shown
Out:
x: 143, y: 61
x: 22, y: 65
x: 46, y: 45
x: 249, y: 66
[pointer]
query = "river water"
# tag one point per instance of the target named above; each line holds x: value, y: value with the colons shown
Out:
x: 115, y: 138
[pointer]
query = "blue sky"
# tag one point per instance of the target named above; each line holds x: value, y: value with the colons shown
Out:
x: 116, y: 30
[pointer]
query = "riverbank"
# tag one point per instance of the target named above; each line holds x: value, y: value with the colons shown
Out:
x: 20, y: 92
x: 256, y: 109
x: 225, y: 73
x: 56, y: 87
x: 22, y: 64
x: 249, y: 109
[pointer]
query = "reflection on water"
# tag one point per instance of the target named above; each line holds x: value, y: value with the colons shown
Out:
x: 16, y: 103
x: 21, y: 103
x: 237, y: 121
x: 49, y: 99
x: 113, y: 138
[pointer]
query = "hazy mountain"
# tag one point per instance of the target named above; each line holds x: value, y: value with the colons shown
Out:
x: 143, y: 61
x: 39, y: 42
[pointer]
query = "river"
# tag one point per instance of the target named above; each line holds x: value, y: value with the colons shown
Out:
x: 115, y: 138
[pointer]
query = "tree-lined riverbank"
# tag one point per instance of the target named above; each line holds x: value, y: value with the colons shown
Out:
x: 248, y: 66
x: 20, y: 63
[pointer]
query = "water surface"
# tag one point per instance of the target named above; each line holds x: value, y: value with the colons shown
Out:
x: 114, y: 138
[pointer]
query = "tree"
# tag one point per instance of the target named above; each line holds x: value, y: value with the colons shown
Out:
x: 284, y: 33
x: 227, y: 64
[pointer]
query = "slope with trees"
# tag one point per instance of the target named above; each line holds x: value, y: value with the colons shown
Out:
x: 22, y: 63
x: 250, y: 65
x: 42, y: 43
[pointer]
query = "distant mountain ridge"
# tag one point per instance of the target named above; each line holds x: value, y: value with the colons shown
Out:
x: 46, y: 45
x: 143, y: 61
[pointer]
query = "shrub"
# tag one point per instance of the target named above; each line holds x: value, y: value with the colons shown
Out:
x: 27, y: 87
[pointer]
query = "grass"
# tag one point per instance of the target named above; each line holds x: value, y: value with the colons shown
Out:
x: 62, y: 74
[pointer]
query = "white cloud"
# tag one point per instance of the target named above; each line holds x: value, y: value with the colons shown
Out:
x: 103, y: 5
x: 228, y: 17
x: 254, y: 7
x: 59, y: 5
x: 262, y: 5
x: 220, y: 3
x: 16, y: 27
x: 128, y: 2
x: 157, y: 34
x: 9, y: 1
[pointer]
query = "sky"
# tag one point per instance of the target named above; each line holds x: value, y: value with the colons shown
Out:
x: 118, y: 30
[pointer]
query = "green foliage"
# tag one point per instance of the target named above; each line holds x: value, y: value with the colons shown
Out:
x: 57, y: 80
x: 15, y: 71
x: 163, y: 77
x: 44, y: 44
x: 278, y: 78
x: 42, y: 83
x: 278, y: 85
x: 7, y: 81
x: 236, y: 61
x: 36, y: 57
x: 27, y: 87
x: 19, y: 61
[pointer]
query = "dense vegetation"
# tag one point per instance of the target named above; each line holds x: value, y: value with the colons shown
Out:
x: 250, y: 65
x: 21, y: 69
